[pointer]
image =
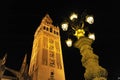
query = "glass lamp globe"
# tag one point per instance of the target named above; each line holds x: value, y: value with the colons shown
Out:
x: 89, y: 19
x: 73, y: 16
x: 69, y: 42
x: 91, y: 36
x: 64, y: 26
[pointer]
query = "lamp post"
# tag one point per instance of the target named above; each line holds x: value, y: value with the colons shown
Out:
x: 93, y: 71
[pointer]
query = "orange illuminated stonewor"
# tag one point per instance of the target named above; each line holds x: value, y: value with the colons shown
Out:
x: 46, y: 58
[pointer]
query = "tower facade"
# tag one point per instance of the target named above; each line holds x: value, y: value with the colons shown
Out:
x: 46, y: 58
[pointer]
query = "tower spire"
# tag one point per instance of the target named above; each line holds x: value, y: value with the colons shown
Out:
x: 47, y: 19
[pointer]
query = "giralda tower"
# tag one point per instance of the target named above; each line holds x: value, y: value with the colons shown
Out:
x: 46, y: 59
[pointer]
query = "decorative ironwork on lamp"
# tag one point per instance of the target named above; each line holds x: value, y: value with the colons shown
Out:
x: 78, y: 26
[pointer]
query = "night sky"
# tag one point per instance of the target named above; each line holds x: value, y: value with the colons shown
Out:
x: 20, y: 19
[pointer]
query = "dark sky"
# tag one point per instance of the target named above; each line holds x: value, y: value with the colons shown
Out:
x: 21, y: 18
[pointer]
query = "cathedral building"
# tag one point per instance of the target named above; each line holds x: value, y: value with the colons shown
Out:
x: 46, y: 59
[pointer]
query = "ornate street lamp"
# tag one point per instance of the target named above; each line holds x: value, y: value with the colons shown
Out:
x: 93, y: 71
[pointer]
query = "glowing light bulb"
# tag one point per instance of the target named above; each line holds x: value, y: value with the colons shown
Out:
x: 90, y: 19
x: 65, y: 26
x: 69, y: 42
x: 73, y: 16
x: 91, y: 36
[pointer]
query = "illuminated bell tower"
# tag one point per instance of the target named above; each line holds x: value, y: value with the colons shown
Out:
x: 46, y: 58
